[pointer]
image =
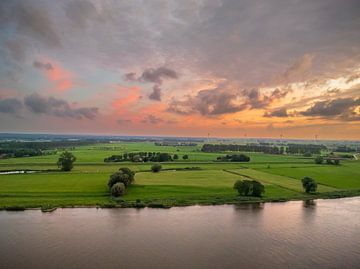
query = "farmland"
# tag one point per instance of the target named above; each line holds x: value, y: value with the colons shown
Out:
x: 176, y: 185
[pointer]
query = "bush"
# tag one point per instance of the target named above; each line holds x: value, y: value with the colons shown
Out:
x: 336, y: 161
x: 66, y: 161
x: 249, y: 188
x: 185, y: 157
x: 156, y: 167
x: 119, y: 177
x: 319, y: 160
x: 309, y: 184
x: 176, y: 157
x: 118, y: 189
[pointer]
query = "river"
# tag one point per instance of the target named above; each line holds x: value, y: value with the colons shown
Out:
x: 319, y: 234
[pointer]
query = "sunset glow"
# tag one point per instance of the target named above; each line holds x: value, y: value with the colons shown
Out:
x: 181, y: 68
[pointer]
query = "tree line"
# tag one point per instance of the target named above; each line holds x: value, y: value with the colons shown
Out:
x: 145, y: 157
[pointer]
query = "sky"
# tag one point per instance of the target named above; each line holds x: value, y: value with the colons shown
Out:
x: 223, y: 68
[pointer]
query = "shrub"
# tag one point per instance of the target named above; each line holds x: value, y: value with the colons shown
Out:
x: 66, y: 161
x: 319, y: 160
x: 309, y: 184
x: 336, y: 161
x: 156, y: 167
x: 119, y: 177
x: 176, y: 157
x: 118, y: 189
x: 185, y: 157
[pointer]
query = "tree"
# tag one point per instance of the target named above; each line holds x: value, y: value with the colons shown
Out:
x: 319, y: 160
x: 337, y: 161
x: 185, y: 157
x: 249, y: 187
x: 309, y: 184
x: 128, y: 172
x: 176, y: 157
x: 118, y: 189
x: 257, y: 188
x: 66, y: 161
x: 156, y: 167
x: 119, y: 177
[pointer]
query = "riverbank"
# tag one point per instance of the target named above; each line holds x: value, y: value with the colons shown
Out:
x: 165, y: 204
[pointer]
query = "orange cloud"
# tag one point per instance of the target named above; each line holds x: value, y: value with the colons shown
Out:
x: 61, y: 78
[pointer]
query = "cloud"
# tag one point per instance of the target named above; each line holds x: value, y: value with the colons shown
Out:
x: 156, y: 93
x: 299, y: 69
x: 256, y: 100
x: 157, y: 75
x: 207, y: 102
x: 44, y: 66
x: 32, y: 20
x: 152, y: 119
x: 124, y: 121
x: 80, y: 12
x: 281, y: 113
x: 10, y: 105
x: 130, y: 76
x: 344, y: 108
x: 221, y: 100
x: 39, y: 104
x: 154, y: 75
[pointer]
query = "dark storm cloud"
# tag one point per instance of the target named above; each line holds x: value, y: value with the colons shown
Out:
x: 156, y: 93
x: 43, y: 66
x: 39, y: 104
x: 10, y: 105
x: 281, y: 113
x: 152, y: 119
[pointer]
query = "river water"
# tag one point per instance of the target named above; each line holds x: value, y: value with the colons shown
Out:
x: 322, y: 234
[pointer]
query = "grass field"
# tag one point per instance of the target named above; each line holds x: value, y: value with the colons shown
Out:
x: 86, y: 184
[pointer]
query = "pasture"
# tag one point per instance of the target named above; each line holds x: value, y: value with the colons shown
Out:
x: 211, y: 183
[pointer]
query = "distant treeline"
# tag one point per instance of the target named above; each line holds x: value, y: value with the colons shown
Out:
x: 234, y: 158
x: 347, y: 149
x: 269, y: 149
x: 304, y: 148
x: 143, y: 157
x: 245, y: 148
x: 175, y: 144
x: 16, y: 149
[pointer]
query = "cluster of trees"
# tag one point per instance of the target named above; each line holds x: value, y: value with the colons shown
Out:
x: 144, y: 157
x: 347, y: 149
x: 120, y: 180
x: 247, y: 148
x: 17, y: 153
x: 234, y: 158
x: 304, y: 148
x: 309, y: 184
x: 333, y: 161
x: 249, y: 188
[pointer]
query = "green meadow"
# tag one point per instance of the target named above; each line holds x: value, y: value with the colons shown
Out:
x: 211, y: 183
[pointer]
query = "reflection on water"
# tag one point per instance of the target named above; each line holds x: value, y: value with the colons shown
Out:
x: 309, y: 203
x: 311, y: 234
